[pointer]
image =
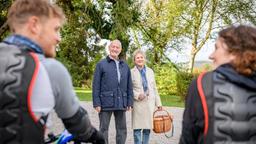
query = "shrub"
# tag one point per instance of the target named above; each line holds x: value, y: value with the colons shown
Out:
x: 165, y: 76
x: 183, y: 80
x: 203, y: 68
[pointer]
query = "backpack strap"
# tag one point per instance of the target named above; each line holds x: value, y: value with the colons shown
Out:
x: 31, y: 86
x: 204, y: 102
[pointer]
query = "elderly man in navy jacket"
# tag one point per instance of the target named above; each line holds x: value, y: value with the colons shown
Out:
x: 112, y: 92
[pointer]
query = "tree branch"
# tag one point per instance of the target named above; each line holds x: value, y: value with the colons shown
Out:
x: 3, y: 28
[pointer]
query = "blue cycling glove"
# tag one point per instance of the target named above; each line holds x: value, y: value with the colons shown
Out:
x: 65, y: 137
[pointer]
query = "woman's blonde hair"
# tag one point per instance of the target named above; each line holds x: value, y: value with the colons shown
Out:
x: 138, y: 51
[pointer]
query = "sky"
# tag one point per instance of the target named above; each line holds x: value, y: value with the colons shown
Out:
x: 183, y: 56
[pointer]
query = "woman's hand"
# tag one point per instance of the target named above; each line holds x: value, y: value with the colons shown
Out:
x: 141, y: 97
x: 160, y: 108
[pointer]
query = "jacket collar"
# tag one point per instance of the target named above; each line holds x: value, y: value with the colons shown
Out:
x: 109, y: 60
x: 143, y: 69
x: 138, y: 71
x: 229, y: 72
x: 24, y: 42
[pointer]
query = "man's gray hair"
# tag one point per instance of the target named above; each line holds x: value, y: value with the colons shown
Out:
x: 116, y: 41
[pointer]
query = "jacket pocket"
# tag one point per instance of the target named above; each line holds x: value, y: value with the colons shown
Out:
x: 125, y: 99
x: 107, y: 99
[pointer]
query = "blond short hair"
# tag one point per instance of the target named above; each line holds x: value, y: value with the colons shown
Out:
x: 21, y: 10
x: 138, y: 51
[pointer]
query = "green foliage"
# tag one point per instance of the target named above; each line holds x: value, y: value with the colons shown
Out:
x: 124, y: 15
x: 4, y: 31
x: 160, y: 24
x: 165, y: 75
x: 203, y: 17
x: 167, y: 100
x: 78, y: 56
x: 183, y: 80
x: 237, y: 11
x: 87, y: 22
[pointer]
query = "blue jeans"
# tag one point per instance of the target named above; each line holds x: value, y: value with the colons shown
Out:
x: 141, y: 136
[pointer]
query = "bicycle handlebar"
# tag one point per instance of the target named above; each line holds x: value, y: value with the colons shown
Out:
x: 57, y: 138
x: 62, y: 138
x: 51, y: 138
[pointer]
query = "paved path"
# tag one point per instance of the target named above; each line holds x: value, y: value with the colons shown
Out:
x: 57, y: 126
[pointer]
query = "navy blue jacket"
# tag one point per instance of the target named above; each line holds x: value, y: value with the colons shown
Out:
x: 107, y: 92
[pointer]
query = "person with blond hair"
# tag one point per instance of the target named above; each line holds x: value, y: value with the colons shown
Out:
x: 32, y: 82
x: 146, y: 98
x: 221, y: 104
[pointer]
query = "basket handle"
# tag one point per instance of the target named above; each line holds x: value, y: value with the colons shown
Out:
x: 162, y: 110
x: 171, y: 132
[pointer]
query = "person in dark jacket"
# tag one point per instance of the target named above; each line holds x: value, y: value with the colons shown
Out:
x: 32, y: 82
x: 221, y: 104
x: 112, y: 92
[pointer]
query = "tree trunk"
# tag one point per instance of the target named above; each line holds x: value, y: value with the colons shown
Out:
x: 156, y: 57
x: 192, y: 60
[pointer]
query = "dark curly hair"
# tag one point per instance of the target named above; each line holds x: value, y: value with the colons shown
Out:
x: 241, y: 42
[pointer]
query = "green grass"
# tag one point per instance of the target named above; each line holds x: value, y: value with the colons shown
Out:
x: 171, y: 100
x: 84, y: 95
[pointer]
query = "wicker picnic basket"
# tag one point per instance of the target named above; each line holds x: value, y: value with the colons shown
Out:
x: 162, y: 122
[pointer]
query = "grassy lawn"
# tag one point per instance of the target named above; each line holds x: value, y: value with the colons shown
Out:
x: 174, y: 101
x: 84, y: 95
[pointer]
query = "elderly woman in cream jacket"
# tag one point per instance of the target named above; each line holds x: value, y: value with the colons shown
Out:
x: 146, y: 98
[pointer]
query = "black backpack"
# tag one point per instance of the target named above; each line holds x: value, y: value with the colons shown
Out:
x: 18, y: 72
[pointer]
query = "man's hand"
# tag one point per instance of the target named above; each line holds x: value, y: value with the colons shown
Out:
x: 128, y: 108
x: 98, y: 109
